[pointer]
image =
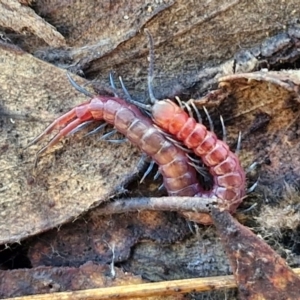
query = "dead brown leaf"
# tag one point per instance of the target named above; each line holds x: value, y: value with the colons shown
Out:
x: 117, y: 22
x: 70, y: 179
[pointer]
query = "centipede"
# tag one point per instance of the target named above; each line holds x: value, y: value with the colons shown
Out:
x: 229, y: 178
x: 150, y: 135
x: 179, y: 178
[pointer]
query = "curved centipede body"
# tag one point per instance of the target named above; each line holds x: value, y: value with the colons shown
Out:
x: 179, y: 177
x: 224, y: 166
x: 228, y: 174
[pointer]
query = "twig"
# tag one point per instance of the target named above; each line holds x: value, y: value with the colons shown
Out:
x: 195, y: 204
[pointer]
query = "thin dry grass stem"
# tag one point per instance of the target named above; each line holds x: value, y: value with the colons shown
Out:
x: 163, y: 288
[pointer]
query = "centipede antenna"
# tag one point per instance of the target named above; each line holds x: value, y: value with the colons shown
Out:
x: 105, y: 136
x: 223, y: 129
x: 179, y: 102
x: 151, y: 66
x: 130, y: 100
x: 157, y: 174
x: 252, y: 187
x: 112, y: 84
x: 78, y: 87
x: 149, y: 169
x: 199, y: 118
x: 80, y: 127
x: 239, y: 143
x: 211, y: 124
x: 97, y: 129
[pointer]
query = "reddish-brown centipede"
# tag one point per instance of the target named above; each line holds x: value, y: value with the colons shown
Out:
x: 224, y: 166
x: 179, y: 177
x: 228, y: 174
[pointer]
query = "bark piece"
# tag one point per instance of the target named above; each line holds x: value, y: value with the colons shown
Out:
x: 21, y: 18
x: 43, y: 280
x: 104, y: 239
x: 265, y: 105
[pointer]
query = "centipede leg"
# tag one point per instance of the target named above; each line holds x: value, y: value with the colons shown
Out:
x: 57, y: 137
x: 157, y: 174
x: 120, y: 141
x: 201, y: 170
x: 199, y: 118
x: 188, y: 108
x: 211, y: 124
x: 112, y: 84
x: 252, y: 187
x: 105, y: 136
x: 149, y: 169
x: 239, y: 143
x: 195, y: 160
x: 80, y: 127
x: 249, y: 208
x: 161, y: 187
x: 251, y: 167
x: 177, y: 99
x: 129, y: 98
x: 224, y: 133
x: 179, y: 145
x: 97, y: 129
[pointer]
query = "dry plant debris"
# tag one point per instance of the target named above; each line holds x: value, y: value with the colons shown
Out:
x: 77, y: 175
